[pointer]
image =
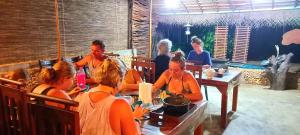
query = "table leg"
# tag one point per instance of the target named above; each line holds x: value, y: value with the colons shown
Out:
x: 224, y: 107
x: 199, y: 130
x: 235, y: 96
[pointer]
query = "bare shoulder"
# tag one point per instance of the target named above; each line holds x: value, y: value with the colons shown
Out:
x: 166, y: 73
x: 188, y: 75
x: 120, y: 105
x: 59, y: 94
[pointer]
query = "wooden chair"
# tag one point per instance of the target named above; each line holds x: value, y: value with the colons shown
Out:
x: 14, y: 118
x: 8, y: 82
x: 73, y: 59
x: 111, y: 55
x: 47, y: 63
x: 49, y: 120
x: 146, y: 68
x: 197, y: 73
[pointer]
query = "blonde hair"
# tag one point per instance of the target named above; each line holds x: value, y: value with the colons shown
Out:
x: 179, y: 58
x: 59, y: 71
x: 164, y: 46
x: 109, y: 73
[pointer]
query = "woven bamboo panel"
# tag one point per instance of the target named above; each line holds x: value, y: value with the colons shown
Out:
x: 221, y: 36
x: 241, y: 44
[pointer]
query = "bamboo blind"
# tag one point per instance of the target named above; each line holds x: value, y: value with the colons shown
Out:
x: 241, y: 44
x: 220, y: 48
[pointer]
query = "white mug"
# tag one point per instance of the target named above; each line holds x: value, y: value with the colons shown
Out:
x: 221, y: 71
x: 209, y: 73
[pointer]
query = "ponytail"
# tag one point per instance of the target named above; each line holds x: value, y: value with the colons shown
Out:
x: 48, y: 75
x: 179, y: 58
x: 59, y: 71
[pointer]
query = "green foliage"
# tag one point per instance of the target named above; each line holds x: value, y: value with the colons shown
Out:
x: 208, y: 40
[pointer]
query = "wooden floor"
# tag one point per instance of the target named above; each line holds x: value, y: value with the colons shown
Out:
x: 260, y: 112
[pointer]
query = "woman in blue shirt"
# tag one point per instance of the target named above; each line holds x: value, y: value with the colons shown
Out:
x: 198, y: 56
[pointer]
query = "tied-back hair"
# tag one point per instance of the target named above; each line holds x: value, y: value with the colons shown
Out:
x: 164, y: 46
x: 59, y: 71
x: 109, y: 73
x: 179, y: 58
x: 196, y: 40
x: 99, y: 43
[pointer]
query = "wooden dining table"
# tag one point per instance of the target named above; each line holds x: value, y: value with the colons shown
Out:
x: 230, y: 79
x: 188, y: 123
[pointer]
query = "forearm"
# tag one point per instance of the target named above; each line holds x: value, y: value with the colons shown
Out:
x: 131, y: 86
x: 193, y: 96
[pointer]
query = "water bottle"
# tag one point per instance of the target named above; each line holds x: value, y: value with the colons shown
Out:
x: 81, y: 78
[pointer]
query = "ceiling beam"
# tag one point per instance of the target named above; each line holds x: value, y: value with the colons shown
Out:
x: 185, y: 7
x: 296, y: 3
x: 199, y: 5
x: 215, y: 3
x: 230, y: 5
x: 251, y: 4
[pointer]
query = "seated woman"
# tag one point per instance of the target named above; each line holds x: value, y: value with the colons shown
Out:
x: 93, y: 60
x: 19, y: 75
x: 179, y: 81
x: 56, y: 81
x: 101, y: 113
x: 131, y: 78
x: 198, y: 56
x: 161, y: 61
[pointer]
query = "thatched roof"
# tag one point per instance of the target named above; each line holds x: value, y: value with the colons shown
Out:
x: 240, y: 12
x: 255, y: 19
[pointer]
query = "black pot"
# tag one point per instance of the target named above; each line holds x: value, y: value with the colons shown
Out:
x: 176, y: 105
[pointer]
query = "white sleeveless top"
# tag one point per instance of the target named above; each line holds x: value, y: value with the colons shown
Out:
x: 94, y: 117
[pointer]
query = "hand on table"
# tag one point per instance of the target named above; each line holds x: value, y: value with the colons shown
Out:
x: 75, y: 91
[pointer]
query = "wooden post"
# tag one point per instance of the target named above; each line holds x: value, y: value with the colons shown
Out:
x: 57, y: 31
x: 150, y: 31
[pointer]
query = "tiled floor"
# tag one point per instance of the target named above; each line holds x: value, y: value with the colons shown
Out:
x: 260, y: 112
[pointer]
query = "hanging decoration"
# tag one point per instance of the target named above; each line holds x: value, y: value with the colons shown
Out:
x: 187, y: 31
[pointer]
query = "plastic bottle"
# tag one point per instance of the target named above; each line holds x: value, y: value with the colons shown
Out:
x: 81, y: 78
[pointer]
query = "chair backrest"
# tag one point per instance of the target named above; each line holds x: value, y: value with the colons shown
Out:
x: 9, y: 82
x: 73, y: 59
x: 146, y: 68
x: 112, y: 55
x: 47, y: 63
x: 14, y: 119
x: 49, y: 120
x: 196, y: 70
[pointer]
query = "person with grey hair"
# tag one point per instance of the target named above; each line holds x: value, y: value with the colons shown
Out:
x: 161, y: 61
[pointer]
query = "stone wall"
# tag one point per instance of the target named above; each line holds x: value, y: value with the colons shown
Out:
x: 27, y: 30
